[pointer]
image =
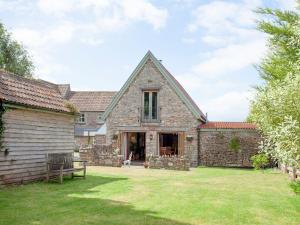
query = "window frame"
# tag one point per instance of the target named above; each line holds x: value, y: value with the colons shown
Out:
x: 150, y: 119
x: 99, y: 116
x: 79, y: 118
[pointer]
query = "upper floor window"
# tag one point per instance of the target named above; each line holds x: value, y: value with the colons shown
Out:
x: 99, y: 118
x: 81, y: 118
x: 150, y: 106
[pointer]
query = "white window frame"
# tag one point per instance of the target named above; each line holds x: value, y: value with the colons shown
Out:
x: 80, y: 117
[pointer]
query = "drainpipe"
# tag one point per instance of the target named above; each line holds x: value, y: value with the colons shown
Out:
x: 198, y: 145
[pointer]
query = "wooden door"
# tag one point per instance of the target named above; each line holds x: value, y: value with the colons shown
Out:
x: 181, y: 140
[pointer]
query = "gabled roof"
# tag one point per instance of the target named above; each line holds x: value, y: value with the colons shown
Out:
x: 179, y: 90
x: 91, y: 101
x: 227, y: 125
x: 29, y: 92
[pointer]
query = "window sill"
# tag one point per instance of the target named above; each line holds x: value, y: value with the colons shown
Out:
x: 150, y: 123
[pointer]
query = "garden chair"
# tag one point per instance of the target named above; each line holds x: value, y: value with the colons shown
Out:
x: 128, y: 161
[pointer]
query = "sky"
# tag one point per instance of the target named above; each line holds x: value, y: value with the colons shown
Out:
x: 210, y: 46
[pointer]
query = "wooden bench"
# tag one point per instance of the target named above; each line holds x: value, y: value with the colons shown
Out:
x: 60, y: 164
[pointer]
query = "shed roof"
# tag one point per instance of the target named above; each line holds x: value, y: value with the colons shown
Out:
x: 91, y: 100
x: 227, y: 125
x: 34, y: 93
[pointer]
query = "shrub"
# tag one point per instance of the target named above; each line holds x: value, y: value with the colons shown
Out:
x: 296, y: 187
x: 259, y: 161
x: 234, y: 144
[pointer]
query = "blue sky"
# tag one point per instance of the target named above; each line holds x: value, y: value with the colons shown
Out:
x: 209, y: 46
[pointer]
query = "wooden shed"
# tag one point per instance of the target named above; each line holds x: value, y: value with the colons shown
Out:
x: 36, y: 122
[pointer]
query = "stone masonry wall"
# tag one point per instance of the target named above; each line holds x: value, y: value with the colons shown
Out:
x: 215, y: 150
x: 174, y: 114
x: 169, y: 163
x: 101, y: 155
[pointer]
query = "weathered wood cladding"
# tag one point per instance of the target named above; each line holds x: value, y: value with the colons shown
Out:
x: 29, y: 135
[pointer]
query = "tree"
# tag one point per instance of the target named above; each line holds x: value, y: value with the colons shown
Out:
x: 276, y: 107
x: 13, y: 56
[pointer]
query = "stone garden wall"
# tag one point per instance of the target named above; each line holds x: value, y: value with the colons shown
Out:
x: 101, y: 155
x: 215, y: 147
x: 169, y: 162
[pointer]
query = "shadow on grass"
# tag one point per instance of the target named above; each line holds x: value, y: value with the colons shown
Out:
x: 74, y: 202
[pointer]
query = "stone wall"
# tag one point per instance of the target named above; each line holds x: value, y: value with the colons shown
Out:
x: 100, y: 140
x: 101, y: 155
x: 84, y: 141
x: 174, y: 114
x: 169, y: 162
x: 215, y: 150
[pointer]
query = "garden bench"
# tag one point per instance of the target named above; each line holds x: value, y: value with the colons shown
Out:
x: 60, y: 164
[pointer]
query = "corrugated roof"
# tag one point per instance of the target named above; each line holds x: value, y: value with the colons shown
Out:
x: 227, y: 125
x: 35, y: 93
x: 91, y: 100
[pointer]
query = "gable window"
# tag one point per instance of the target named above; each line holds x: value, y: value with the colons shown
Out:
x: 150, y: 106
x: 81, y: 118
x: 99, y: 118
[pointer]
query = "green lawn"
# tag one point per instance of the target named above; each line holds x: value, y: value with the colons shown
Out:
x: 140, y: 196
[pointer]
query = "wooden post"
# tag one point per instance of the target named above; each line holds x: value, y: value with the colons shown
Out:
x: 285, y: 169
x: 294, y: 176
x: 47, y: 175
x: 61, y: 174
x: 84, y: 170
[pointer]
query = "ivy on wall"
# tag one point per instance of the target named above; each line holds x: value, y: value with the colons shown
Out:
x: 2, y: 128
x: 235, y: 144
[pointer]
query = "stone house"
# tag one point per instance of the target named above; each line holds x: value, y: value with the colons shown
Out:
x: 91, y: 105
x: 152, y: 115
x: 36, y: 121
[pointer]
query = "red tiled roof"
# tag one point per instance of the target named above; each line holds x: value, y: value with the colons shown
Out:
x: 228, y: 125
x: 36, y: 93
x: 91, y: 101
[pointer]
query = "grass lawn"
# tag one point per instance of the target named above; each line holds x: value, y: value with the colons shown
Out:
x: 140, y: 196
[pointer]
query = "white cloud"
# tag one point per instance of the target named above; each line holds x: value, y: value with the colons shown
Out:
x: 86, y: 21
x: 232, y: 44
x: 108, y: 14
x: 188, y: 40
x: 233, y: 106
x: 231, y: 58
x: 288, y: 4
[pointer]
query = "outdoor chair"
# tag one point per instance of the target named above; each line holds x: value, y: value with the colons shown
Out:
x: 128, y: 161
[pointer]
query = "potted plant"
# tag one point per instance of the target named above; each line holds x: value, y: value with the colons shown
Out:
x: 146, y: 164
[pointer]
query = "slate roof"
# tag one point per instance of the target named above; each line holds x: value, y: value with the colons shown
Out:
x: 29, y: 92
x: 227, y: 125
x: 91, y: 101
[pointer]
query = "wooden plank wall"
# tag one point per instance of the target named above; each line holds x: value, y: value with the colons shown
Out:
x: 29, y: 135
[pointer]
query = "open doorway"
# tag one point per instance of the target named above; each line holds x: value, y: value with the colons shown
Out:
x: 136, y: 145
x: 168, y: 144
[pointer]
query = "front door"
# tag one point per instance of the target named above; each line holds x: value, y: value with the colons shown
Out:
x: 136, y: 144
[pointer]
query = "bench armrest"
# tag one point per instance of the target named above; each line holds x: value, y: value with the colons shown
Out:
x: 79, y: 160
x: 55, y: 163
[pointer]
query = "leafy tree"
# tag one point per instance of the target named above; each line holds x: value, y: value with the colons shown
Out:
x: 13, y: 57
x: 276, y: 107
